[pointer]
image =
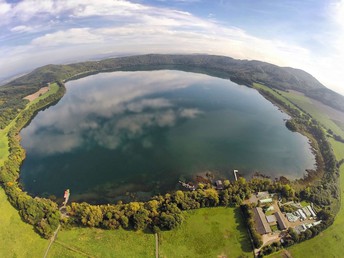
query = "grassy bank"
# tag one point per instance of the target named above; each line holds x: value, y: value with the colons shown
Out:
x: 4, y: 151
x: 208, y: 232
x: 17, y: 238
x: 91, y: 242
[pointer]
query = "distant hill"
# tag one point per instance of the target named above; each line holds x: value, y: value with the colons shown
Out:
x: 240, y: 71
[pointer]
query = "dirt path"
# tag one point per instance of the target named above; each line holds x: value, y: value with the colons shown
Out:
x: 156, y: 246
x: 52, y: 239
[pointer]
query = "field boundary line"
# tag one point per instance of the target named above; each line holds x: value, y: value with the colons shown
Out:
x: 74, y: 249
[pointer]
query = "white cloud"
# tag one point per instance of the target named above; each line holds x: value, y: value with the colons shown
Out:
x: 5, y: 8
x: 22, y: 28
x: 80, y: 30
x: 69, y: 37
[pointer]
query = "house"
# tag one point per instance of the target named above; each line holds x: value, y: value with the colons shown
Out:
x: 262, y: 225
x: 280, y: 221
x: 218, y: 184
x: 263, y: 195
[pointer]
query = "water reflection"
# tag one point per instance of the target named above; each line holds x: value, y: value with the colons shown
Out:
x: 108, y: 113
x: 123, y: 132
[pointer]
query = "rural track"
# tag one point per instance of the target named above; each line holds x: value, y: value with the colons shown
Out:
x: 156, y: 245
x: 52, y: 239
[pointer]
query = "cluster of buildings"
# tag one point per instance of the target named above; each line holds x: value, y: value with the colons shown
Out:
x: 264, y: 221
x: 272, y: 219
x: 301, y: 214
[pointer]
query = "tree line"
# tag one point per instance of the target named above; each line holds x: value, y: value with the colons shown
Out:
x: 42, y: 213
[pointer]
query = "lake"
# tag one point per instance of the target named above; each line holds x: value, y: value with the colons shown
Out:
x: 125, y: 135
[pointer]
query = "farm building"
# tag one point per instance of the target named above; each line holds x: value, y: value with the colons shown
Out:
x: 306, y: 211
x: 263, y: 195
x: 280, y: 221
x: 262, y: 225
x: 266, y: 200
x: 311, y: 211
x: 218, y: 184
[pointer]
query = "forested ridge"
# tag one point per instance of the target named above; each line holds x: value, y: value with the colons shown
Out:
x: 240, y: 71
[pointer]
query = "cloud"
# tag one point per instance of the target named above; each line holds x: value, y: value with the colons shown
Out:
x: 80, y: 30
x: 21, y: 28
x: 5, y: 8
x: 75, y: 36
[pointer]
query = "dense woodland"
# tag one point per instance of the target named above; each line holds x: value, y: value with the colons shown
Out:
x: 162, y: 212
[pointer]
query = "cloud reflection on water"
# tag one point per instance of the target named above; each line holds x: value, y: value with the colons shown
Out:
x: 121, y: 108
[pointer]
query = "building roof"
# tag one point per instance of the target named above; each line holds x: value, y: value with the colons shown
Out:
x: 306, y: 211
x: 263, y: 195
x: 271, y: 218
x: 267, y: 200
x: 262, y: 225
x: 280, y: 221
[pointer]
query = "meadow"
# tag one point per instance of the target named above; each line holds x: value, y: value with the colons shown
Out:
x: 93, y: 242
x: 17, y: 238
x: 209, y: 232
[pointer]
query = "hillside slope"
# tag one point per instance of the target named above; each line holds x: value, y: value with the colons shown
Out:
x: 240, y: 71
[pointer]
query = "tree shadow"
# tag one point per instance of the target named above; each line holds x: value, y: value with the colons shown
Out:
x: 244, y: 239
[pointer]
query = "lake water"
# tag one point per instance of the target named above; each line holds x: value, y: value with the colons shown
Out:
x: 121, y: 134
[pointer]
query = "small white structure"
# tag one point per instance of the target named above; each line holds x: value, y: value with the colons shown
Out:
x: 235, y: 174
x: 316, y: 223
x: 306, y: 211
x: 267, y: 200
x: 311, y: 211
x: 302, y: 214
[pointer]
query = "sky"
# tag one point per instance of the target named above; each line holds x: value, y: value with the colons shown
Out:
x: 307, y: 34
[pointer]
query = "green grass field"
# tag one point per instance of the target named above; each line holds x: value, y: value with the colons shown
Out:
x: 17, y: 238
x: 315, y: 111
x: 263, y: 87
x: 208, y: 233
x: 92, y: 242
x: 4, y: 152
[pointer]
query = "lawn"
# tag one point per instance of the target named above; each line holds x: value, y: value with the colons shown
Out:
x: 17, y: 239
x: 274, y: 92
x: 208, y: 232
x: 4, y: 152
x: 92, y: 242
x: 316, y: 111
